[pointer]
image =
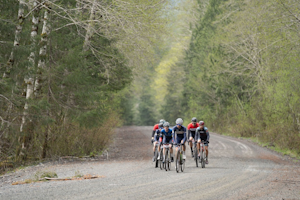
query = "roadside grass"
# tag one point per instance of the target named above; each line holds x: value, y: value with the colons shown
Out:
x: 284, y: 151
x: 12, y: 169
x: 274, y: 147
x: 52, y: 176
x: 7, y: 167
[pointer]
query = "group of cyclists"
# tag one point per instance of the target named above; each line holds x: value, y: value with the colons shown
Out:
x: 163, y: 134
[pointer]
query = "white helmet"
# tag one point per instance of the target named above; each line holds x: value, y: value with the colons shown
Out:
x: 162, y: 121
x: 179, y: 121
x: 166, y: 124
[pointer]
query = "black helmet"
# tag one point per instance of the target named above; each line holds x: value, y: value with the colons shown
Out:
x: 161, y: 125
x: 194, y: 119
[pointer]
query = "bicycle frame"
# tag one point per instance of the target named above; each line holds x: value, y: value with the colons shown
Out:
x: 202, y: 154
x: 157, y: 145
x: 180, y: 162
x: 167, y: 157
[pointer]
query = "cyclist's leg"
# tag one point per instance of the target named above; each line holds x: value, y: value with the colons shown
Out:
x: 198, y: 147
x: 193, y: 139
x: 191, y: 143
x: 206, y: 151
x: 171, y: 152
x: 176, y: 150
x: 177, y: 141
x: 164, y: 149
x: 164, y: 154
x: 158, y: 150
x: 183, y: 148
x: 154, y: 144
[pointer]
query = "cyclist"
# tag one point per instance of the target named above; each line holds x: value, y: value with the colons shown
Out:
x: 167, y: 136
x: 157, y: 139
x: 202, y: 134
x: 179, y: 134
x: 191, y: 132
x: 155, y: 128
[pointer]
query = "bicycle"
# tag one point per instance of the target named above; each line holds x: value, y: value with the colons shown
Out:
x: 167, y: 158
x: 202, y: 154
x: 160, y: 160
x: 180, y: 162
x: 195, y: 152
x: 156, y: 160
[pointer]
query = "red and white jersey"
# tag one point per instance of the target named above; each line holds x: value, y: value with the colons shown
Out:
x: 191, y: 127
x: 155, y: 127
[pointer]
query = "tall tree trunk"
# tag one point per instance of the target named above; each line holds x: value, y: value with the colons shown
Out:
x: 26, y: 124
x: 42, y: 54
x: 41, y: 68
x: 18, y: 31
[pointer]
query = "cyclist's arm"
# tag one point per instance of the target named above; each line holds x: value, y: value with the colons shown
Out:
x: 161, y: 134
x: 196, y: 135
x: 173, y: 136
x: 189, y: 134
x: 155, y: 127
x: 184, y: 135
x: 207, y: 133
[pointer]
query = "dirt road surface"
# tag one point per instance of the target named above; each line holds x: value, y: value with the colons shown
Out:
x: 237, y: 169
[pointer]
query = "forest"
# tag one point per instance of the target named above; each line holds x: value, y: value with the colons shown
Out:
x: 74, y: 70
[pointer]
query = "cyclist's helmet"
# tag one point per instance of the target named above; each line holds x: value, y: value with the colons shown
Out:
x: 201, y: 123
x: 194, y: 119
x: 161, y: 124
x: 162, y: 121
x: 179, y: 121
x: 166, y: 124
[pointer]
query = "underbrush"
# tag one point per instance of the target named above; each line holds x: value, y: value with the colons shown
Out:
x: 68, y: 139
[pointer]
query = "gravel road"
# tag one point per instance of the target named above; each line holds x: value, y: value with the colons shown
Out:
x: 237, y: 169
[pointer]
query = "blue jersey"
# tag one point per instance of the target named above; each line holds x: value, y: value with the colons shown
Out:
x: 179, y: 134
x: 166, y: 134
x: 157, y: 134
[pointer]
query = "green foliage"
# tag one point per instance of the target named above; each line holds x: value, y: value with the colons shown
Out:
x: 78, y: 174
x: 241, y: 70
x: 42, y: 174
x: 146, y: 108
x: 83, y: 93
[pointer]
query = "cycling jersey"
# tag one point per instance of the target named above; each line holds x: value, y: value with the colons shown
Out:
x: 157, y: 134
x: 179, y: 134
x: 154, y: 129
x: 202, y: 134
x: 167, y: 136
x: 192, y: 129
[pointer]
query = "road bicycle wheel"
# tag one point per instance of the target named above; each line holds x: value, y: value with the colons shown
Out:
x: 202, y: 159
x: 182, y: 163
x: 195, y: 150
x: 169, y: 161
x: 166, y: 160
x: 196, y: 156
x: 161, y: 159
x: 177, y: 163
x: 156, y: 156
x: 169, y: 165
